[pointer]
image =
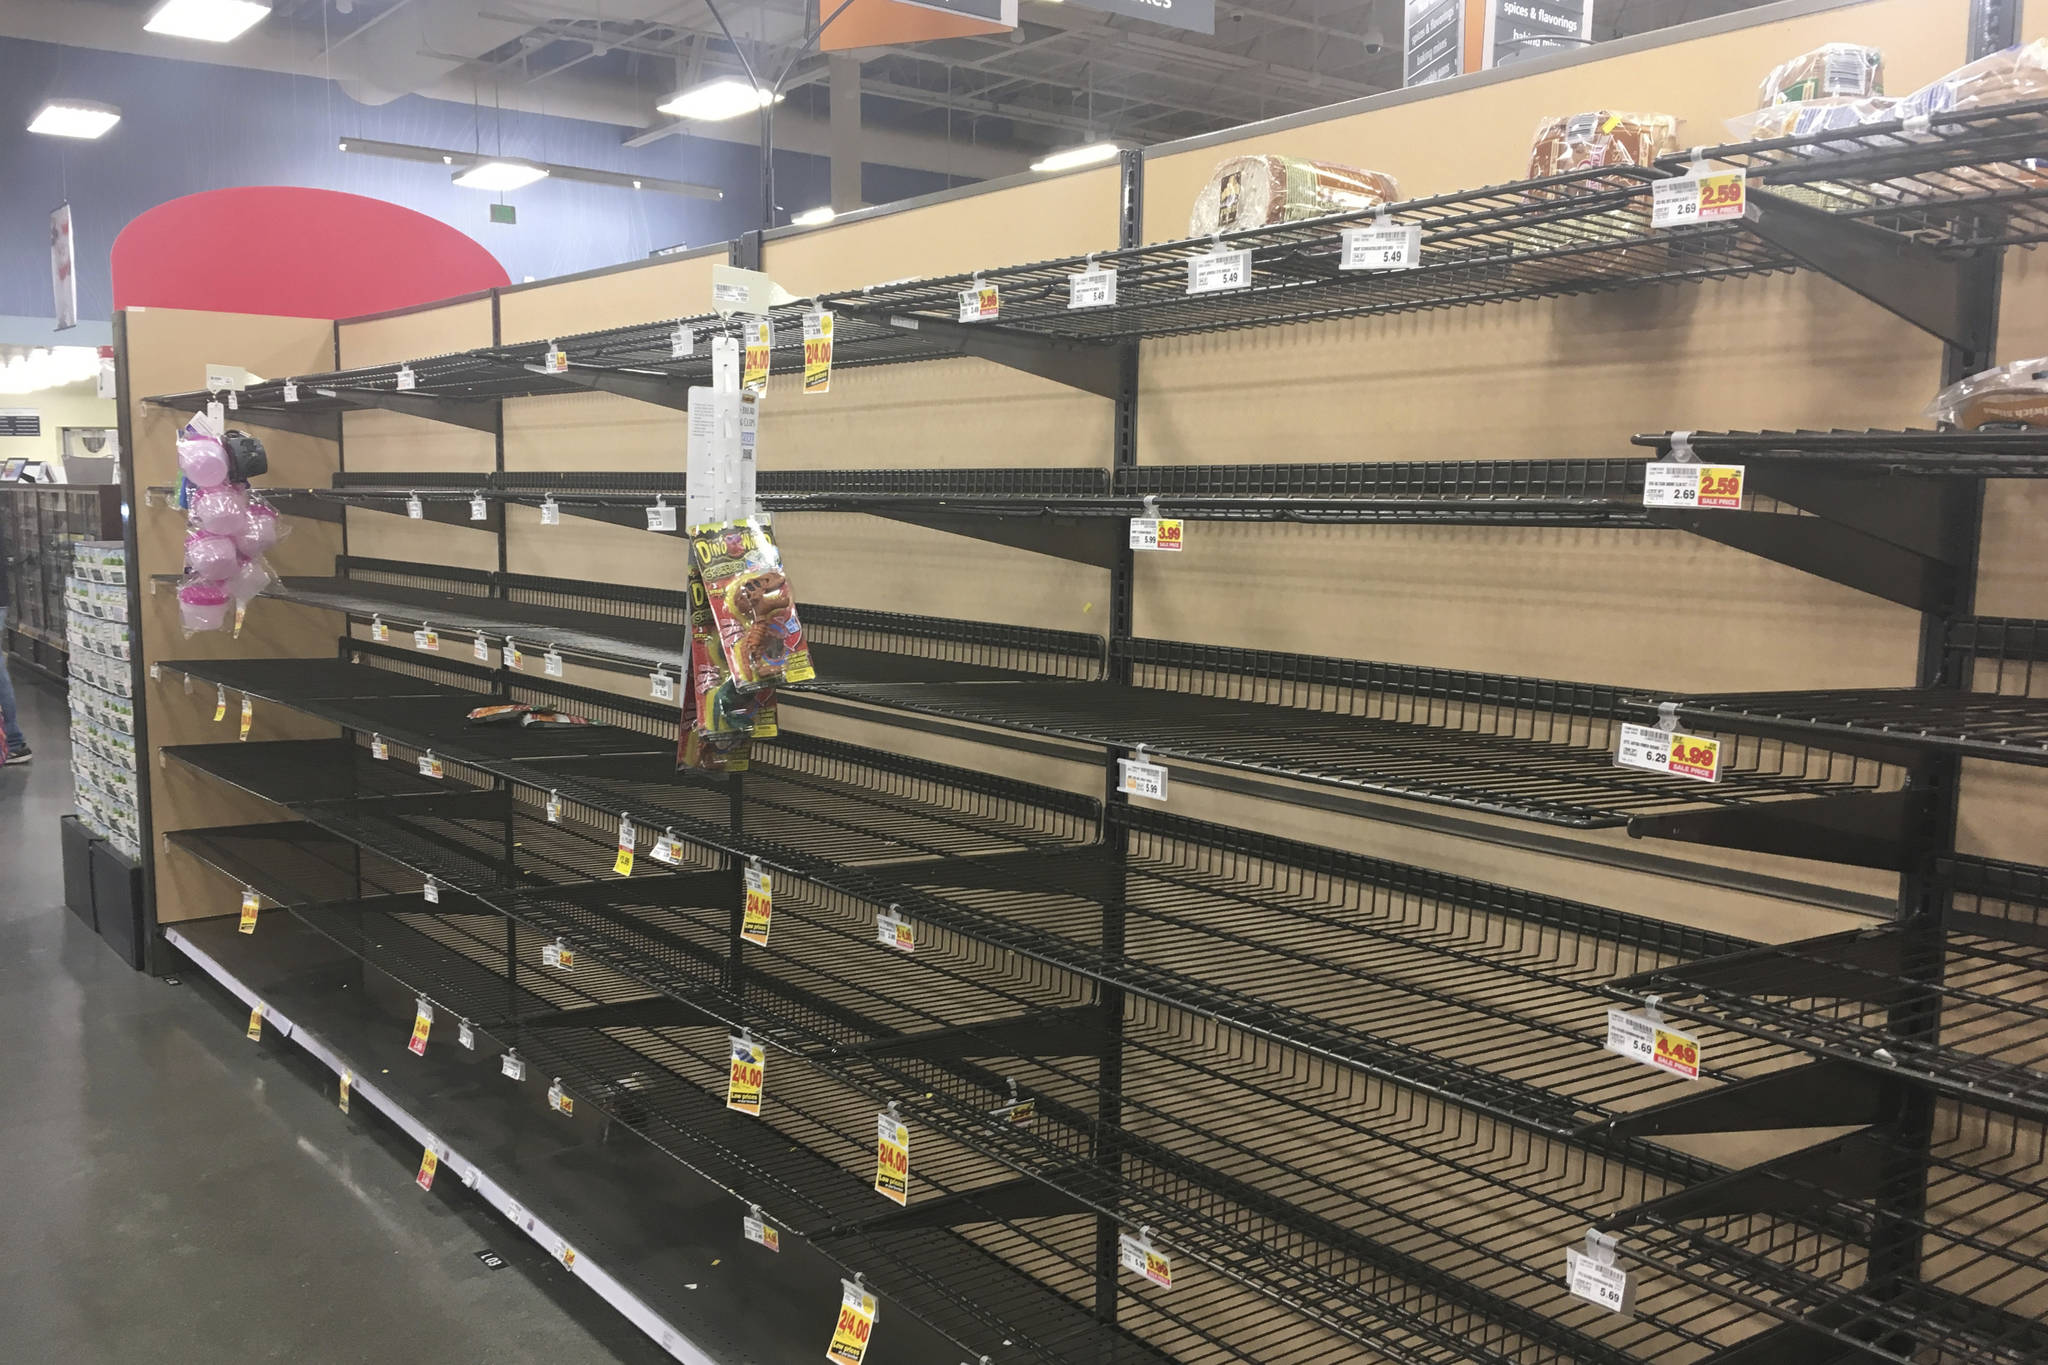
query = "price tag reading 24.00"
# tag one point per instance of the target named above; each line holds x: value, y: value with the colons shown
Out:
x: 857, y: 1310
x: 757, y: 916
x: 1671, y: 483
x: 1667, y: 751
x: 892, y: 1158
x: 746, y: 1076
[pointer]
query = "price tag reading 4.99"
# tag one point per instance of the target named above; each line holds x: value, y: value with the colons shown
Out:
x: 857, y: 1310
x: 1667, y: 751
x: 1698, y: 196
x: 1670, y: 483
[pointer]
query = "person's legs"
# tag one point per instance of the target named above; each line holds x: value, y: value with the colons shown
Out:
x: 17, y: 743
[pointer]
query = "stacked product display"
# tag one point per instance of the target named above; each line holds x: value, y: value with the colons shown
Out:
x: 103, y: 763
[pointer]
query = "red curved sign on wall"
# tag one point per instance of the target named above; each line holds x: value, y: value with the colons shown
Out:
x: 293, y: 252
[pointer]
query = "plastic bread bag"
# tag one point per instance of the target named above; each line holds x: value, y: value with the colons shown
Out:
x: 1830, y: 71
x: 1258, y: 191
x: 1604, y: 137
x: 2006, y: 76
x: 752, y: 606
x: 2011, y: 395
x: 1811, y: 118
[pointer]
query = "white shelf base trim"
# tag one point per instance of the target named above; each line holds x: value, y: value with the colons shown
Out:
x: 473, y: 1177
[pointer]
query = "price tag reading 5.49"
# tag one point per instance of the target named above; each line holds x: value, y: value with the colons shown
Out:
x: 1383, y: 246
x: 1667, y: 751
x: 1699, y: 196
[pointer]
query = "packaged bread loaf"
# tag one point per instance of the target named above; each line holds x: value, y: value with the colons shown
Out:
x: 2011, y: 395
x: 1831, y: 71
x: 1256, y: 191
x: 1602, y: 138
x: 2004, y: 77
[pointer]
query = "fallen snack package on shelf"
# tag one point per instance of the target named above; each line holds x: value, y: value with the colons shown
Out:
x: 1258, y: 191
x: 752, y: 607
x: 505, y: 713
x: 1832, y: 70
x: 1578, y: 142
x: 551, y: 720
x: 2011, y: 395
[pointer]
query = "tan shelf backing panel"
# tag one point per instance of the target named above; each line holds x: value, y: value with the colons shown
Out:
x: 166, y: 350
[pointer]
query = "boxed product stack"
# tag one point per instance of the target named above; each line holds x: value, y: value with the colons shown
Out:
x: 104, y: 772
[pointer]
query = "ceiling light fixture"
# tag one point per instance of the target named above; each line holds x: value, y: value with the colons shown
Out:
x: 1071, y: 157
x: 74, y: 118
x: 464, y: 161
x: 715, y: 101
x: 211, y: 21
x: 500, y: 175
x: 816, y: 217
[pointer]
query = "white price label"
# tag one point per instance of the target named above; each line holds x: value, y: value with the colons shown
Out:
x: 1157, y: 533
x: 426, y: 637
x: 379, y: 750
x: 681, y: 343
x: 1142, y: 779
x: 477, y: 510
x: 1653, y: 1043
x: 234, y: 401
x: 481, y: 649
x: 431, y: 892
x: 415, y: 509
x: 554, y: 808
x: 1383, y: 246
x: 664, y: 687
x: 1608, y: 1286
x: 465, y: 1034
x: 550, y: 511
x: 218, y: 412
x: 661, y: 517
x: 430, y: 766
x: 512, y: 1067
x: 761, y: 1232
x: 895, y: 931
x: 551, y: 664
x: 379, y: 632
x: 1219, y: 271
x: 406, y: 379
x: 1656, y: 750
x: 1698, y: 196
x: 291, y: 392
x: 1092, y: 289
x: 556, y: 361
x: 512, y: 656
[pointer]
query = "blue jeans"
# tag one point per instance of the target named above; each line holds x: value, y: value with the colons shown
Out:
x: 16, y: 741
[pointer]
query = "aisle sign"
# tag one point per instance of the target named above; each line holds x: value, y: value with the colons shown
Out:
x: 623, y: 864
x: 893, y: 930
x: 1141, y: 779
x: 1137, y: 1255
x: 1383, y: 246
x: 1643, y: 1038
x: 1219, y: 271
x: 250, y: 903
x: 981, y: 303
x: 892, y: 1158
x: 747, y: 1075
x: 1657, y: 750
x: 762, y: 1232
x: 1672, y: 483
x: 429, y: 1163
x: 1157, y: 533
x: 857, y: 1310
x: 1092, y: 289
x: 755, y: 920
x: 1699, y: 196
x: 422, y: 1025
x: 760, y: 344
x: 255, y: 1023
x: 817, y: 352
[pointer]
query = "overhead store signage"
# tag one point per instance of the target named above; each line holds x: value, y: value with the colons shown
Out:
x: 849, y: 24
x: 1196, y: 16
x: 1519, y: 29
x: 1433, y: 41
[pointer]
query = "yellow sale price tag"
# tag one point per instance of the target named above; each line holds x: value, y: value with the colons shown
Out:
x: 856, y: 1324
x: 251, y: 902
x: 760, y: 907
x: 746, y: 1077
x: 623, y: 864
x: 1676, y: 1052
x: 1695, y: 756
x: 760, y: 342
x: 256, y: 1022
x: 429, y: 1163
x: 1721, y: 485
x: 892, y: 1158
x: 817, y: 352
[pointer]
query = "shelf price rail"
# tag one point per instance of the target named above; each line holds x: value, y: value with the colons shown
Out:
x: 586, y: 932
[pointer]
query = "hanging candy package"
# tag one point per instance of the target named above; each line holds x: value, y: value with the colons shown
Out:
x: 753, y: 610
x: 231, y: 527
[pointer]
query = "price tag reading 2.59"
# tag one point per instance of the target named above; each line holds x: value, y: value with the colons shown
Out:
x: 1699, y: 196
x: 1674, y: 483
x: 1667, y: 751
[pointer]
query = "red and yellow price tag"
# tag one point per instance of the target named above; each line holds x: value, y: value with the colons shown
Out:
x: 623, y: 864
x: 892, y: 1159
x: 251, y: 902
x: 1695, y: 756
x: 255, y: 1023
x: 817, y: 352
x: 856, y: 1324
x: 760, y: 343
x: 422, y: 1025
x: 429, y: 1163
x: 758, y: 916
x: 1676, y: 1052
x: 1721, y: 485
x: 746, y: 1077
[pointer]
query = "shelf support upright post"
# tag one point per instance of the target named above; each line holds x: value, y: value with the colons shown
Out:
x: 745, y: 251
x: 1895, y: 1245
x: 1115, y: 833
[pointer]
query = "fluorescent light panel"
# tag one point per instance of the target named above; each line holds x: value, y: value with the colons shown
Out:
x: 500, y: 175
x: 74, y: 118
x: 1071, y: 157
x: 406, y: 151
x: 212, y: 21
x: 715, y: 101
x: 816, y: 217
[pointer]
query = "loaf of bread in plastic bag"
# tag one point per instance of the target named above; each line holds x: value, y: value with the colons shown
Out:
x: 1258, y: 191
x: 1830, y: 71
x: 1575, y: 142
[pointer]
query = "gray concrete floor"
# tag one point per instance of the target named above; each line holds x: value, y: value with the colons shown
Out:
x: 174, y: 1194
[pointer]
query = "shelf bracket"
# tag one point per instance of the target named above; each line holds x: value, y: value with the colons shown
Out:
x: 477, y: 414
x: 1095, y: 541
x: 1076, y: 1031
x: 1825, y: 1094
x: 1862, y: 829
x: 1894, y: 272
x: 1827, y: 549
x: 325, y: 426
x: 1852, y: 1167
x: 1087, y: 872
x: 293, y: 503
x: 1923, y: 523
x: 696, y: 889
x: 662, y: 390
x: 1092, y: 366
x: 1806, y: 1342
x: 658, y: 1011
x: 1024, y: 1197
x: 1865, y: 965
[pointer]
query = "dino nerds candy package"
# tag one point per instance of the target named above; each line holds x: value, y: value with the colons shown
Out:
x: 753, y: 611
x: 719, y: 709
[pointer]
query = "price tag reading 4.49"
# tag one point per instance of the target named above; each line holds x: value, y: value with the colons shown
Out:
x: 1698, y: 196
x: 1667, y: 751
x: 857, y: 1309
x: 1157, y: 533
x: 747, y: 1076
x: 1653, y: 1043
x: 892, y: 1158
x: 1670, y: 483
